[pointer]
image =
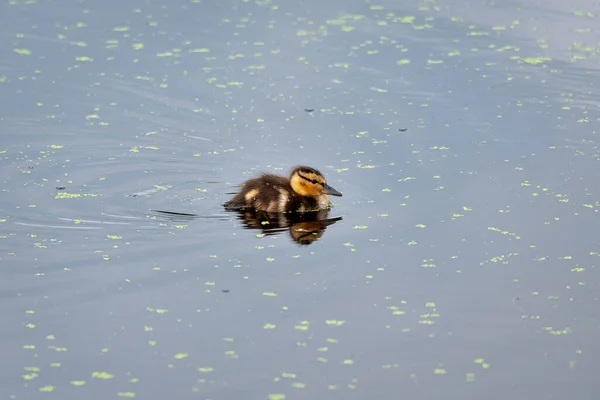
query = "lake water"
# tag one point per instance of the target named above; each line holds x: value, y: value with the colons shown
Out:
x: 460, y: 262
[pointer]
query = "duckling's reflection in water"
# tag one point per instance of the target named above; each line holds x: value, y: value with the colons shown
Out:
x: 304, y: 228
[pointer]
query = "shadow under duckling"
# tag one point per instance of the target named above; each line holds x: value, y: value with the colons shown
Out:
x: 305, y: 190
x: 304, y: 228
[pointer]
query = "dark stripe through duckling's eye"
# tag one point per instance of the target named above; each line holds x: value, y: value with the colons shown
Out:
x: 313, y: 181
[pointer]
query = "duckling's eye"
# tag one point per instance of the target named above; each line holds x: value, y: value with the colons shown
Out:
x: 313, y: 181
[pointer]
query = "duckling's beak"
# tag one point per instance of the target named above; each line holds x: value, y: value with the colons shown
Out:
x: 329, y: 190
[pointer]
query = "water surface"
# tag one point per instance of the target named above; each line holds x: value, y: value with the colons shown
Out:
x: 461, y: 259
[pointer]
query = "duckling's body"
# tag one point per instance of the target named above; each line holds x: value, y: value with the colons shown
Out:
x: 304, y: 190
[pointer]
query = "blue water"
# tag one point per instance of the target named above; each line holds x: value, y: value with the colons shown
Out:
x: 462, y: 260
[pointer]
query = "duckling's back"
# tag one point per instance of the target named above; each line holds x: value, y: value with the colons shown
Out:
x: 268, y: 192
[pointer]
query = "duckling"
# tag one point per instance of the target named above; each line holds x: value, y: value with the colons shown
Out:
x: 305, y: 190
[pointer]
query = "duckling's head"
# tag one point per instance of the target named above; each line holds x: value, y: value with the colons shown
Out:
x: 307, y: 181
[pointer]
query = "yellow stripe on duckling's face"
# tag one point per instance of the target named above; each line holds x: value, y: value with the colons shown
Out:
x: 307, y: 184
x: 312, y: 184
